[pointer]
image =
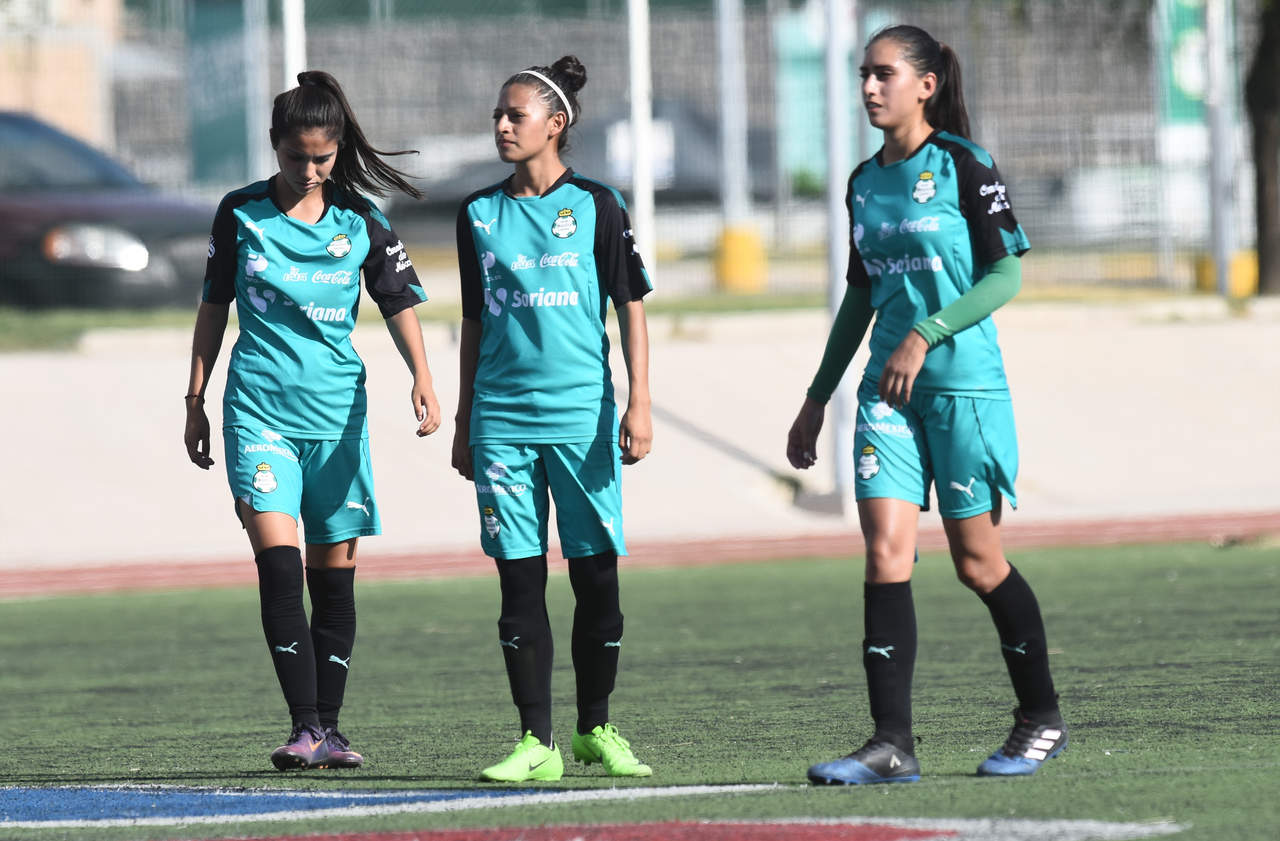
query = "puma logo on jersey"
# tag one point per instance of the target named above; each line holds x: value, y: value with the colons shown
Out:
x: 261, y: 234
x: 609, y: 525
x: 486, y: 225
x: 861, y: 199
x: 965, y: 489
x: 359, y: 506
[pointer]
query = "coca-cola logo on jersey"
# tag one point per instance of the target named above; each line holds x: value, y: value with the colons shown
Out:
x: 338, y: 278
x: 566, y: 259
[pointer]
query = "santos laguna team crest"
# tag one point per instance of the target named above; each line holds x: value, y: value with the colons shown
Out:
x: 926, y: 188
x: 868, y: 463
x: 264, y: 480
x: 339, y: 247
x: 565, y: 225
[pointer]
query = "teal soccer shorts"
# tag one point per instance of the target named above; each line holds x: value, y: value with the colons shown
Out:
x: 966, y: 446
x: 513, y: 482
x: 327, y: 485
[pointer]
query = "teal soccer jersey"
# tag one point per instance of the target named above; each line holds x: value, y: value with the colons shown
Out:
x: 924, y: 231
x: 293, y: 369
x: 538, y: 273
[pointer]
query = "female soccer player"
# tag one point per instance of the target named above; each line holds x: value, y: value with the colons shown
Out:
x: 541, y: 255
x: 935, y: 251
x: 290, y: 251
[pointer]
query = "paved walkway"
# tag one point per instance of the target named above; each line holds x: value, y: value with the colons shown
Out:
x: 1126, y: 412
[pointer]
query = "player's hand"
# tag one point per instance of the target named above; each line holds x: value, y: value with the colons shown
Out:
x: 196, y: 436
x: 802, y: 440
x: 635, y: 434
x: 425, y: 407
x: 900, y: 372
x: 462, y: 450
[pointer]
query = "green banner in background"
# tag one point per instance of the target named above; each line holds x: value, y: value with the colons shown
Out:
x: 216, y: 91
x: 1183, y: 60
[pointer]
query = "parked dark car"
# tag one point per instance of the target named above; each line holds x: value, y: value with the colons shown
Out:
x: 80, y: 230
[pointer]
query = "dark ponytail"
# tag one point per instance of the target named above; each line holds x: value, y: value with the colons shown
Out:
x: 945, y: 109
x: 319, y: 103
x: 570, y: 76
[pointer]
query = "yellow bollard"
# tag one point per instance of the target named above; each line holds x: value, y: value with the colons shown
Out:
x: 739, y: 261
x: 1242, y: 274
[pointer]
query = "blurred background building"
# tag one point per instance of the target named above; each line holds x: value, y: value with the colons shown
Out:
x: 1093, y: 109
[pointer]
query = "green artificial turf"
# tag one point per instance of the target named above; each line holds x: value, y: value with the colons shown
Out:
x: 1167, y: 658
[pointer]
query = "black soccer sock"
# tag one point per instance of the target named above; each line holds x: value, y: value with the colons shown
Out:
x: 524, y: 632
x: 597, y: 635
x: 333, y: 633
x: 284, y: 621
x: 1022, y: 641
x: 889, y: 657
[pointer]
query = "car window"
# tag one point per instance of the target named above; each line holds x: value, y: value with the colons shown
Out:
x: 34, y: 156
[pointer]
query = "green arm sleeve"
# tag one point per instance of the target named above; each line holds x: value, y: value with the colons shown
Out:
x: 996, y: 288
x: 846, y: 334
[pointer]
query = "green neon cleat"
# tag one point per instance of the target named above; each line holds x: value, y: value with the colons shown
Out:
x: 604, y: 745
x: 531, y: 760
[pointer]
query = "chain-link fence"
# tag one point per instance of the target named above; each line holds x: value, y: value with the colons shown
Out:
x: 1066, y: 95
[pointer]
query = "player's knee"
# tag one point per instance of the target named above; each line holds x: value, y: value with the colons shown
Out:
x: 595, y: 579
x: 280, y: 578
x: 980, y: 574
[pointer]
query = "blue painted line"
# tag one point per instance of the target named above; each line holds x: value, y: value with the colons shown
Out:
x: 24, y: 804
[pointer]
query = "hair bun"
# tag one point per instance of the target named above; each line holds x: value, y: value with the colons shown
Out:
x: 571, y: 72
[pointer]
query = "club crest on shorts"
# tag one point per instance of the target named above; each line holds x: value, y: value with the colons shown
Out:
x: 565, y: 225
x: 340, y: 246
x: 264, y: 480
x: 491, y: 524
x: 925, y: 189
x: 868, y: 463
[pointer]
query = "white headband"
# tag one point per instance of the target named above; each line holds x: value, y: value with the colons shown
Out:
x: 567, y: 107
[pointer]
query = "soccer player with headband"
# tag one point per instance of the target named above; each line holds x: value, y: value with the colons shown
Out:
x: 542, y: 255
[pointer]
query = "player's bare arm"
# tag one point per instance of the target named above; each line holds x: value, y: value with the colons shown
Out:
x: 406, y: 332
x: 802, y: 440
x: 206, y: 342
x: 635, y: 431
x: 468, y: 358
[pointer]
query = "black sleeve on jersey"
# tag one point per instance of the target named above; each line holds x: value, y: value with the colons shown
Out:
x: 617, y: 258
x: 856, y: 273
x: 984, y: 203
x: 469, y: 267
x: 389, y: 275
x: 220, y: 270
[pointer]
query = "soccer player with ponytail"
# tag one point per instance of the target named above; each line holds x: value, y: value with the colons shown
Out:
x: 542, y: 255
x: 934, y: 251
x: 290, y: 251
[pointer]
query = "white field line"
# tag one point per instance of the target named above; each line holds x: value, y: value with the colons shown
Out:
x: 957, y: 829
x: 458, y: 805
